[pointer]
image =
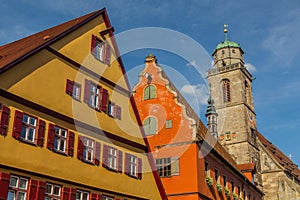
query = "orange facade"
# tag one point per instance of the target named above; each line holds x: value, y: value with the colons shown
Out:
x: 175, y: 135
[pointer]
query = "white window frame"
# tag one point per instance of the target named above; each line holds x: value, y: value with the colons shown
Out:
x: 163, y: 166
x: 107, y: 198
x: 112, y: 158
x: 99, y: 50
x: 88, y: 151
x: 76, y: 94
x: 81, y: 195
x: 29, y: 127
x: 17, y: 189
x: 94, y: 96
x: 60, y: 139
x: 50, y: 195
x: 133, y: 165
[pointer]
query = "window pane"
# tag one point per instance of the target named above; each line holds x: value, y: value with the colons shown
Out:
x: 31, y: 134
x: 23, y: 133
x: 48, y: 188
x: 32, y: 121
x: 23, y: 184
x: 25, y: 119
x: 85, y: 196
x: 56, y: 190
x: 62, y: 145
x: 13, y: 181
x: 21, y: 196
x: 11, y: 195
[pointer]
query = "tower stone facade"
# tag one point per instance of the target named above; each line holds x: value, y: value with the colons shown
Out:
x: 231, y: 88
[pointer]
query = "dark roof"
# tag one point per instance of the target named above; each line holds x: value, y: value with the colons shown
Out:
x: 12, y: 53
x: 280, y: 157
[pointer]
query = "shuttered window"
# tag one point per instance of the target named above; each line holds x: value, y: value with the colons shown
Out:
x: 101, y: 50
x: 60, y: 140
x: 112, y: 158
x: 4, y: 119
x: 96, y: 96
x: 88, y: 150
x: 167, y: 166
x: 133, y: 166
x: 53, y: 191
x: 114, y: 110
x: 29, y: 129
x: 17, y: 188
x: 73, y: 89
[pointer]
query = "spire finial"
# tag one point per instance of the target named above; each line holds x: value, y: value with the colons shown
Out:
x: 225, y: 31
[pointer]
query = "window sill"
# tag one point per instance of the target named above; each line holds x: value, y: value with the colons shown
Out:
x: 60, y: 152
x: 28, y: 142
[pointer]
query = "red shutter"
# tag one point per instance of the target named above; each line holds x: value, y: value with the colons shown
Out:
x: 118, y: 112
x: 41, y: 133
x: 71, y: 143
x: 66, y: 193
x: 51, y: 136
x: 41, y: 190
x: 4, y: 120
x: 140, y: 167
x: 93, y: 45
x: 104, y: 102
x: 87, y: 91
x: 80, y: 148
x: 33, y: 190
x: 4, y: 183
x: 107, y: 53
x: 73, y: 194
x: 120, y: 161
x: 127, y: 163
x: 97, y: 153
x: 99, y: 197
x: 105, y: 156
x: 69, y: 87
x: 94, y: 196
x: 18, y: 124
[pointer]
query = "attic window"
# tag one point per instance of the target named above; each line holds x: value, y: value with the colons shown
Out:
x: 100, y: 50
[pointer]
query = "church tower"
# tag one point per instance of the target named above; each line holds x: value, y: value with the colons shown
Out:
x: 231, y: 88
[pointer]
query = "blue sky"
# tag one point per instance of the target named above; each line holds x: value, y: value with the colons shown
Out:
x: 268, y: 31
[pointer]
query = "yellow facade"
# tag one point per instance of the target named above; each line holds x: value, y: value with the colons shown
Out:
x: 36, y: 86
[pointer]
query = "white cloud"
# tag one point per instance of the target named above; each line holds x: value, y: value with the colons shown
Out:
x: 283, y: 39
x: 195, y: 94
x: 250, y: 67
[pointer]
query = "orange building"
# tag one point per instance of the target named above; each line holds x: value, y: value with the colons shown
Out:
x: 190, y: 162
x: 69, y: 128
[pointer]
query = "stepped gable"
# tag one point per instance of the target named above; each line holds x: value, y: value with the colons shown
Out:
x: 280, y: 157
x: 14, y: 52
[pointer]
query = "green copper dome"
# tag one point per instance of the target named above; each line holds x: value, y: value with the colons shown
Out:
x: 225, y: 44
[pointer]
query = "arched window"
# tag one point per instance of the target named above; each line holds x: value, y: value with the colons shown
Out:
x: 149, y: 92
x: 150, y: 126
x: 226, y: 90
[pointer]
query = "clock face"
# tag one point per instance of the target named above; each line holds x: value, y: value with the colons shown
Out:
x: 251, y: 118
